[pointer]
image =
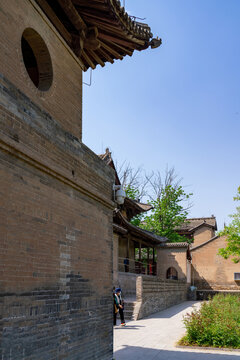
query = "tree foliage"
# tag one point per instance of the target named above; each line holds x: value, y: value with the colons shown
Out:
x: 131, y: 192
x: 134, y: 194
x: 134, y: 181
x: 168, y: 213
x: 232, y: 233
x: 166, y: 196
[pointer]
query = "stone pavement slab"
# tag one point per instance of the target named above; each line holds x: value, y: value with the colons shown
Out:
x: 155, y: 338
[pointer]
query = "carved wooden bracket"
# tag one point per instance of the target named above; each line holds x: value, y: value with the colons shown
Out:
x: 91, y: 41
x: 88, y: 39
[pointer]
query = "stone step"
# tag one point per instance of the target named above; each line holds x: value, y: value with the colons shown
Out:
x: 128, y: 306
x: 129, y: 309
x: 128, y: 315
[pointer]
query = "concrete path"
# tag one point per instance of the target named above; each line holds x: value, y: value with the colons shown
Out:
x: 155, y: 338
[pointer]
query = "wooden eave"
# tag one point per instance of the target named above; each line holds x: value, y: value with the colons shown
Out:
x: 146, y: 236
x: 133, y: 208
x: 98, y: 31
x: 119, y: 229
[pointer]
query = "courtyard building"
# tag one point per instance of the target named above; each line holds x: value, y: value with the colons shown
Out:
x: 199, y: 262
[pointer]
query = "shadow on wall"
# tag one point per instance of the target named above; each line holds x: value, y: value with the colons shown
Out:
x: 199, y: 281
x: 138, y: 353
x: 206, y: 290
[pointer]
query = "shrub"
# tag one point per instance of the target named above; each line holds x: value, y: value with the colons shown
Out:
x: 216, y: 323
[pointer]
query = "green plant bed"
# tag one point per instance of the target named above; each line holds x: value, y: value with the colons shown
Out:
x: 215, y: 324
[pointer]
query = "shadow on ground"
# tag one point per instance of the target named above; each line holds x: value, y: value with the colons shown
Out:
x: 139, y: 353
x: 129, y: 327
x: 170, y: 312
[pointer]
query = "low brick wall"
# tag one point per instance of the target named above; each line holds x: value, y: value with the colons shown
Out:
x: 151, y: 294
x: 156, y: 294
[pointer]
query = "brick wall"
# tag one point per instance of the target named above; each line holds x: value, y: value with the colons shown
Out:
x: 55, y: 209
x: 210, y: 270
x: 64, y: 99
x: 151, y: 294
x: 127, y: 282
x: 56, y: 244
x: 172, y: 257
x: 155, y: 294
x: 203, y: 234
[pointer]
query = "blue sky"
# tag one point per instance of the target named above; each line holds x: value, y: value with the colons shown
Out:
x: 178, y: 105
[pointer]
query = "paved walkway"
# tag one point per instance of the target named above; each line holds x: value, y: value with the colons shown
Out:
x: 155, y: 338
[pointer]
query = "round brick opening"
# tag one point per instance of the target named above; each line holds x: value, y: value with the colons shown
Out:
x: 37, y: 59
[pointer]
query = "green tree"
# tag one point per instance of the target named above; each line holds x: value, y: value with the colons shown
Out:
x: 134, y: 194
x: 164, y: 193
x: 232, y: 233
x: 131, y: 192
x: 168, y: 213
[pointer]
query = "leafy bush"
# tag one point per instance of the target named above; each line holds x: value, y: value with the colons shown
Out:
x: 216, y: 323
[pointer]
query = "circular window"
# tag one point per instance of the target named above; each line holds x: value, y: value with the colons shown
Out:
x: 37, y: 59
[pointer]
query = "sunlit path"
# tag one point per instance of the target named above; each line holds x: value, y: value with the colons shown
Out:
x: 155, y: 338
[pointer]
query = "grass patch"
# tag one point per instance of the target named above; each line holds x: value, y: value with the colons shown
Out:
x: 215, y: 324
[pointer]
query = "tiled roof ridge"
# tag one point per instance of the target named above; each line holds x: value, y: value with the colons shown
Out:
x: 199, y: 225
x: 136, y: 28
x: 201, y: 218
x: 176, y: 244
x: 204, y: 243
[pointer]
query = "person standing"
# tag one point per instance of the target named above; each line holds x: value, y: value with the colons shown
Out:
x: 115, y: 307
x: 120, y: 306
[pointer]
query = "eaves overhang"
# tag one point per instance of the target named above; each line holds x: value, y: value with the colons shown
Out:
x: 98, y: 31
x: 141, y: 233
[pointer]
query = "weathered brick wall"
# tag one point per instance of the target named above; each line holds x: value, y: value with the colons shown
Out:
x: 150, y: 294
x: 56, y: 242
x: 55, y: 268
x: 55, y: 209
x: 41, y: 140
x: 210, y: 270
x: 203, y: 234
x: 64, y: 99
x: 155, y: 294
x: 172, y: 257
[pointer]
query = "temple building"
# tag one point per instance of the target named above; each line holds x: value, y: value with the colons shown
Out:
x: 56, y: 198
x: 198, y: 229
x: 199, y: 262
